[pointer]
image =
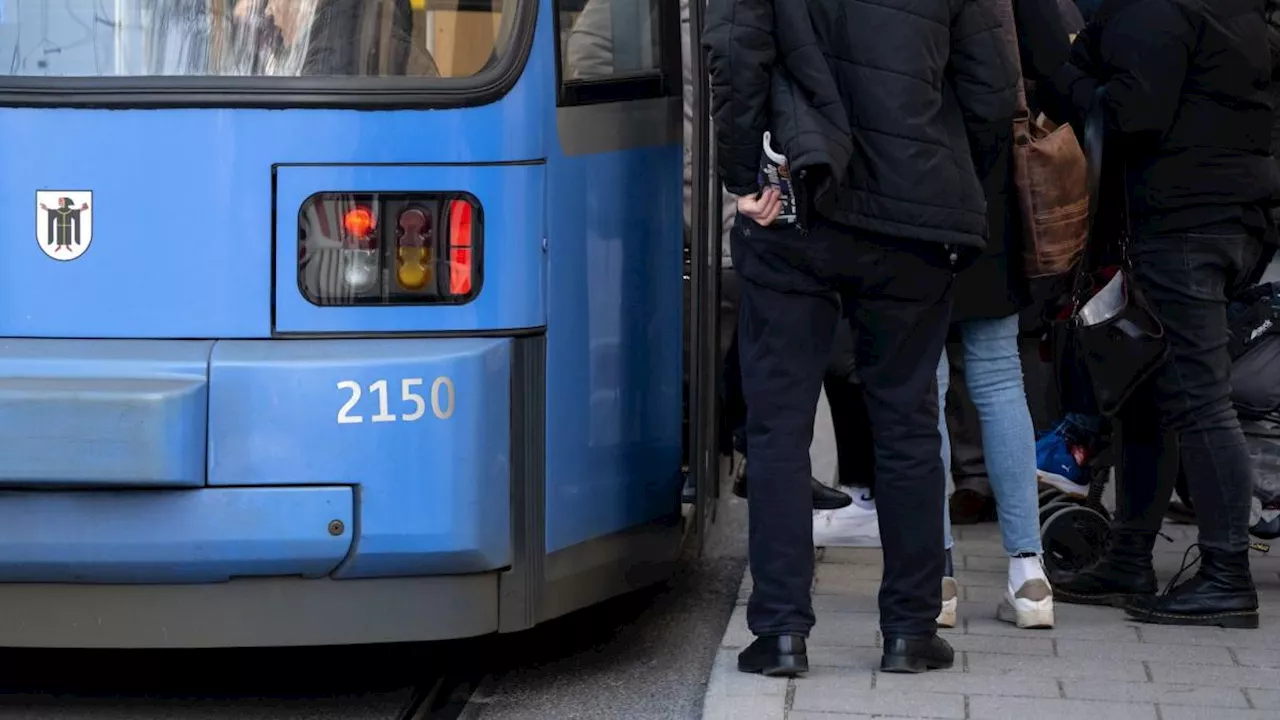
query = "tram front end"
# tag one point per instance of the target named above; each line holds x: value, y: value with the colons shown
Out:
x: 271, y: 349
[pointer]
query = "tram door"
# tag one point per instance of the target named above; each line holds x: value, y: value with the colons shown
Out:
x: 703, y: 359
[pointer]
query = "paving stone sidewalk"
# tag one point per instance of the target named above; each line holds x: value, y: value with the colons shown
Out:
x: 1095, y: 665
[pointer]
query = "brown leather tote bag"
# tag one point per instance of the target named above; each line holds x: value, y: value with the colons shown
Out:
x: 1051, y: 181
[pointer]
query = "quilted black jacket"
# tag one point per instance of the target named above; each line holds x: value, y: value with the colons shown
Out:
x: 1185, y: 88
x: 870, y: 100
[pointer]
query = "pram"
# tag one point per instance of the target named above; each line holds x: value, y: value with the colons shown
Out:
x: 1074, y: 530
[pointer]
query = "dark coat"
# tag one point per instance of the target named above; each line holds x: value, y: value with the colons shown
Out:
x: 347, y: 39
x: 870, y: 101
x: 995, y: 286
x: 1184, y: 87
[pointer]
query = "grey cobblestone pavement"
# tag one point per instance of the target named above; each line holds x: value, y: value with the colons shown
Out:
x: 1094, y: 665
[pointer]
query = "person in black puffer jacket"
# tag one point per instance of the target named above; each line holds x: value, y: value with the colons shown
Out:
x: 872, y: 103
x: 1183, y: 90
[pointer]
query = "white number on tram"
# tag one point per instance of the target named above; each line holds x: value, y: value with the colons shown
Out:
x: 441, y: 402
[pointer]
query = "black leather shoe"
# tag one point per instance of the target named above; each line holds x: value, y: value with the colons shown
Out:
x: 1122, y: 576
x: 1220, y: 593
x: 776, y: 656
x: 916, y: 655
x: 824, y: 498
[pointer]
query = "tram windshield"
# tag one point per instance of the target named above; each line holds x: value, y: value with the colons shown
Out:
x: 253, y: 38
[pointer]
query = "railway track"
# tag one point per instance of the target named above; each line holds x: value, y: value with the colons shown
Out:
x: 445, y: 698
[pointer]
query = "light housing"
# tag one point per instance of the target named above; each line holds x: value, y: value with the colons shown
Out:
x: 390, y: 248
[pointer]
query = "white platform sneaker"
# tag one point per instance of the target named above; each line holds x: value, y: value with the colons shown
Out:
x: 950, y: 603
x: 1028, y: 598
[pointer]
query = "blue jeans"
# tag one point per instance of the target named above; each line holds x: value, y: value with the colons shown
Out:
x: 993, y: 373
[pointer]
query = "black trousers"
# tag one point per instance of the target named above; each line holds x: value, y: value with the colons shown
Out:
x: 898, y: 298
x: 1188, y: 279
x: 850, y: 422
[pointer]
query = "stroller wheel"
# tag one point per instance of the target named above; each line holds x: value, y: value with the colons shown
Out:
x: 1048, y: 495
x: 1074, y: 538
x: 1047, y: 511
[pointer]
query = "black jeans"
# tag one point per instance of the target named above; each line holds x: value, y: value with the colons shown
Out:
x: 898, y: 297
x: 1188, y: 278
x: 849, y: 419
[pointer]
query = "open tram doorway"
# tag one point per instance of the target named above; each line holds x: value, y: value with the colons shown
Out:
x: 702, y: 285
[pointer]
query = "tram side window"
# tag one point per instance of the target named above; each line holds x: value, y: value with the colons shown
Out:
x: 609, y: 39
x: 336, y: 38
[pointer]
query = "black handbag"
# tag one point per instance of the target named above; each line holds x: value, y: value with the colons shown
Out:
x: 1118, y: 342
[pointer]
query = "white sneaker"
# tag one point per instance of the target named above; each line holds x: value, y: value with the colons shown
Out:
x: 1028, y: 597
x: 856, y: 525
x: 950, y: 603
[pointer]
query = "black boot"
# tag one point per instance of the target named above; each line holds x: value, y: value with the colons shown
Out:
x: 776, y: 656
x: 824, y: 498
x: 1123, y: 575
x: 916, y: 655
x: 1220, y: 593
x: 1266, y: 529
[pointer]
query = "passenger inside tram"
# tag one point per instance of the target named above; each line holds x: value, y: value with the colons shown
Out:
x: 330, y: 37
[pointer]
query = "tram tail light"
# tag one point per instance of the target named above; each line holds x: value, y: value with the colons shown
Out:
x: 357, y: 227
x: 359, y: 261
x: 460, y: 247
x: 389, y: 248
x: 414, y: 262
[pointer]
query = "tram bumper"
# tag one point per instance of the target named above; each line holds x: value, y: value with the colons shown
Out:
x: 349, y: 491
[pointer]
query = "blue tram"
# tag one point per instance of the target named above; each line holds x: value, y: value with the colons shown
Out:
x: 341, y: 321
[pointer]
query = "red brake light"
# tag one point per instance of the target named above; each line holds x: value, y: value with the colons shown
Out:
x: 460, y: 223
x: 358, y: 222
x: 460, y: 271
x: 459, y: 247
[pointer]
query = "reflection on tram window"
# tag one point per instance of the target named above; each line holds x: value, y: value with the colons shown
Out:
x: 379, y: 38
x: 609, y: 38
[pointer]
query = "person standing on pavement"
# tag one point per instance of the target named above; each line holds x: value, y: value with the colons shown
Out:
x: 1183, y: 90
x: 869, y: 103
x: 989, y: 297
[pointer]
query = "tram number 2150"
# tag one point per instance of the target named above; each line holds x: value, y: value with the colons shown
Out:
x: 440, y: 399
